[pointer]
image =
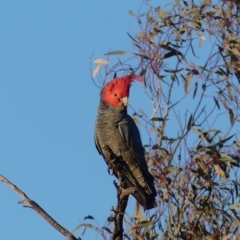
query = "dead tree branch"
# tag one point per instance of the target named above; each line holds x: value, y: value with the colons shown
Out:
x: 27, y: 202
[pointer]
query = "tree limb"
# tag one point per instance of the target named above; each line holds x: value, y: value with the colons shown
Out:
x: 27, y: 202
x: 122, y: 193
x: 119, y: 212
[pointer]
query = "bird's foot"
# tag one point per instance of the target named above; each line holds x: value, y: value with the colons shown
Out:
x: 110, y: 170
x: 127, y: 191
x: 111, y: 166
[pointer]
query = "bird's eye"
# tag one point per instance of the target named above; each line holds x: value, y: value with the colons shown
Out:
x: 115, y: 94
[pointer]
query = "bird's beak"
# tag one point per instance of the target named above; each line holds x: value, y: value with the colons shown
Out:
x: 125, y: 101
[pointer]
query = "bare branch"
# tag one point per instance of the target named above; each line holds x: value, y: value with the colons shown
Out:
x: 27, y: 202
x: 122, y: 194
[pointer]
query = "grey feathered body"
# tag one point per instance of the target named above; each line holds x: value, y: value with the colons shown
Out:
x: 117, y: 130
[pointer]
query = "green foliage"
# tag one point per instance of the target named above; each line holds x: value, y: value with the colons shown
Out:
x: 188, y: 53
x: 116, y: 52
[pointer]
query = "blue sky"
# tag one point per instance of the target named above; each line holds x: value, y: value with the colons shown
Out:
x: 48, y: 106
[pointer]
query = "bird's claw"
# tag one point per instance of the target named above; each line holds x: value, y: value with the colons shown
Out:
x: 127, y: 191
x: 110, y: 170
x: 111, y: 166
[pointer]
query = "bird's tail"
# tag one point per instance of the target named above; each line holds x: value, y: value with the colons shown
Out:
x: 143, y: 196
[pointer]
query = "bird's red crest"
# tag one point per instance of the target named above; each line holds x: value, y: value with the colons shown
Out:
x: 118, y: 88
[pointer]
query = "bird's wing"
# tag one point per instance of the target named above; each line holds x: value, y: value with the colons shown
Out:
x: 130, y: 134
x: 98, y: 147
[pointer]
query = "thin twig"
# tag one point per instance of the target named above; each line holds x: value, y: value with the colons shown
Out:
x: 27, y: 202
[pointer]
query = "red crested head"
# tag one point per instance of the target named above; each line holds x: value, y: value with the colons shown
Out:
x: 116, y: 92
